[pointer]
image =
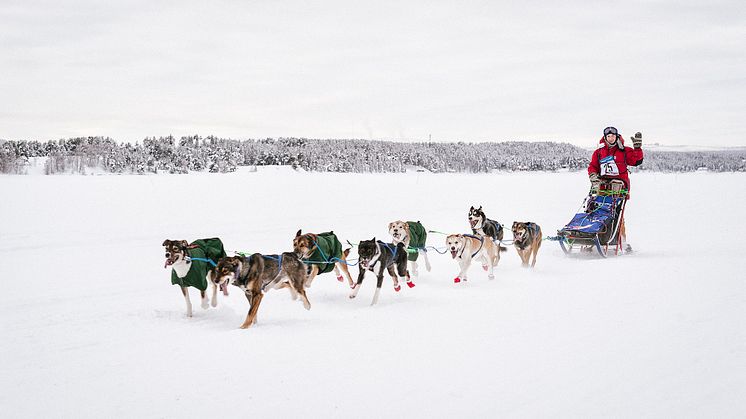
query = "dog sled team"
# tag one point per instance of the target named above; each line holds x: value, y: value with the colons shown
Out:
x: 204, y: 262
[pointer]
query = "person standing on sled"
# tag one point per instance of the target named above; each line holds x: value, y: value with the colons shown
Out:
x: 609, y: 164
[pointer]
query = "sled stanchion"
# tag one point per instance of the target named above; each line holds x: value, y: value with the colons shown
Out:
x: 603, y: 251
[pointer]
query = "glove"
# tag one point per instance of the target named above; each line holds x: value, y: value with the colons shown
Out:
x: 637, y: 140
x: 595, y: 182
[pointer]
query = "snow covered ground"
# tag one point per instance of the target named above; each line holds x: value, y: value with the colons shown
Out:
x: 92, y: 327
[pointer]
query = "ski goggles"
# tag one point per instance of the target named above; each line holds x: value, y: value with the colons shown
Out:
x: 610, y: 130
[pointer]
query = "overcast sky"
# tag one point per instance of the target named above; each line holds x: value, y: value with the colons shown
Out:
x: 453, y: 70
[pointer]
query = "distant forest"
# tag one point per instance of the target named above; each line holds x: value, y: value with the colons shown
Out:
x: 195, y: 153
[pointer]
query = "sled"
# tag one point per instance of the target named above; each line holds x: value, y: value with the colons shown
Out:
x: 597, y: 224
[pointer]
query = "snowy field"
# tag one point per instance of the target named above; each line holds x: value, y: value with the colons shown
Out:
x: 92, y: 327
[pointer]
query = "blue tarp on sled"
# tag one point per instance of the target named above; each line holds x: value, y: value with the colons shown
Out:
x: 597, y: 218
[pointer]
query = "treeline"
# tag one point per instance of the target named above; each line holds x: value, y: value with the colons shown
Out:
x: 195, y: 153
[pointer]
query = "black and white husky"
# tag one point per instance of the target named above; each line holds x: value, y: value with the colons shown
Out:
x: 483, y: 226
x: 389, y: 257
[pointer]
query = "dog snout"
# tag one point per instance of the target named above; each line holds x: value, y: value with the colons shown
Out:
x: 168, y: 255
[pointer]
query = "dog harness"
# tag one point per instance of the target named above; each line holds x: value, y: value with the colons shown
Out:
x: 481, y: 243
x: 372, y: 262
x: 247, y: 263
x: 326, y: 248
x: 532, y: 229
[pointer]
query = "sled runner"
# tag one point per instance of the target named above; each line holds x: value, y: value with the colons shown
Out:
x: 597, y: 225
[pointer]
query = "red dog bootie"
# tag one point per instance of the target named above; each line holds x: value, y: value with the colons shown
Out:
x: 397, y: 288
x: 456, y: 280
x: 340, y: 278
x: 410, y: 284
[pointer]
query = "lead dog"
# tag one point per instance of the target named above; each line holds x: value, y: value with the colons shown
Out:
x: 323, y: 252
x: 480, y: 224
x: 413, y: 235
x: 527, y: 240
x: 258, y: 273
x: 191, y: 264
x: 466, y: 247
x: 390, y: 257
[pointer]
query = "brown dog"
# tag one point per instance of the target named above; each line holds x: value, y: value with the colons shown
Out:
x: 257, y: 273
x: 323, y: 252
x: 527, y: 241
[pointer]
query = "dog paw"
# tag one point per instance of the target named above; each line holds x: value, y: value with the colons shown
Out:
x: 491, y: 277
x: 205, y: 305
x: 456, y: 280
x: 410, y: 284
x: 214, y: 302
x: 485, y: 267
x: 397, y: 288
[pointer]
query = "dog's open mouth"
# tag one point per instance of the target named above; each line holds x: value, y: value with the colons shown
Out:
x: 453, y: 253
x: 169, y: 262
x: 364, y: 263
x: 224, y: 288
x: 473, y: 223
x: 396, y: 235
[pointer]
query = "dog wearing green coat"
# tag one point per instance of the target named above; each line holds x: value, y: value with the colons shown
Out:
x: 322, y: 253
x: 191, y: 264
x: 414, y: 236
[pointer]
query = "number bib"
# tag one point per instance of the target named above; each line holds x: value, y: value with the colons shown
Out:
x: 609, y: 167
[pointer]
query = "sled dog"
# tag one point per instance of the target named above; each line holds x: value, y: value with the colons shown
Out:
x: 258, y: 273
x: 414, y: 236
x: 482, y: 225
x: 466, y: 247
x: 190, y: 265
x: 389, y: 257
x: 322, y: 252
x: 527, y: 240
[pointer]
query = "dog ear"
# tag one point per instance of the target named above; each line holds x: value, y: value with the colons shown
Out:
x: 391, y: 224
x: 165, y: 242
x: 374, y: 239
x: 480, y: 208
x: 471, y: 209
x: 185, y: 243
x: 297, y: 234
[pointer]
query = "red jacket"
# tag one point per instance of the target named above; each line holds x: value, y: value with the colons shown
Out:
x: 622, y: 157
